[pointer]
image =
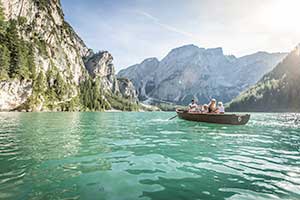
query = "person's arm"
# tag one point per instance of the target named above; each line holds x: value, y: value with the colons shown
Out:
x: 217, y: 111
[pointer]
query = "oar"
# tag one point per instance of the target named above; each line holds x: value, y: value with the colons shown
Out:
x: 172, y: 117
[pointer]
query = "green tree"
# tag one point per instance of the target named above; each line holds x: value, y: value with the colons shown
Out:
x: 60, y: 86
x: 23, y: 68
x: 2, y: 20
x: 4, y: 52
x: 17, y: 48
x: 13, y: 46
x: 4, y: 62
x: 91, y: 95
x: 19, y: 51
x: 39, y: 84
x: 30, y: 62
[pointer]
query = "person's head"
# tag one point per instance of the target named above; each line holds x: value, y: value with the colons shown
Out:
x: 213, y: 101
x: 193, y: 100
x: 205, y: 106
x: 220, y: 104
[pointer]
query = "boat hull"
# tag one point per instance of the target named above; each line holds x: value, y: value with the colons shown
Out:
x: 233, y: 119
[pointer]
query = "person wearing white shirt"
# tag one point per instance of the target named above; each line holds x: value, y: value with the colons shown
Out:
x: 221, y: 109
x: 193, y: 106
x: 205, y: 109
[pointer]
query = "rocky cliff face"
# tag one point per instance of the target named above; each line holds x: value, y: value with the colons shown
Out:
x: 191, y: 72
x: 60, y: 63
x: 14, y: 93
x: 101, y: 65
x: 142, y: 76
x: 44, y: 21
x: 277, y: 91
x: 127, y: 89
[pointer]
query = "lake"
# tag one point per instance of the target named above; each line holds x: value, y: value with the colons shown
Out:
x: 145, y: 156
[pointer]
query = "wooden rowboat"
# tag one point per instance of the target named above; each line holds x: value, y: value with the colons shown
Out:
x: 233, y: 119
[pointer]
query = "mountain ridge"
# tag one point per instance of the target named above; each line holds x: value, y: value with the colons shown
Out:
x: 276, y: 91
x: 188, y: 72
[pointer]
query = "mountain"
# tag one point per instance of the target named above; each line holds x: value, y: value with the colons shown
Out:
x: 46, y: 66
x: 277, y: 91
x: 142, y: 76
x: 191, y: 72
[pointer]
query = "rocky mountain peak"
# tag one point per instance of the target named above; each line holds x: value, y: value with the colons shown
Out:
x: 150, y: 60
x: 100, y: 64
x: 192, y: 72
x: 188, y: 47
x: 183, y: 51
x: 215, y: 51
x: 150, y: 64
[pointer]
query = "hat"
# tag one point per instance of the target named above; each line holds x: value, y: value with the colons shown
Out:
x: 220, y: 103
x: 213, y: 100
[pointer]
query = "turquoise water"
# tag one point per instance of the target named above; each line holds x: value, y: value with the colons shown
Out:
x: 144, y: 156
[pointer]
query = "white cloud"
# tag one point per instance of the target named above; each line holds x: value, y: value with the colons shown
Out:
x: 163, y: 25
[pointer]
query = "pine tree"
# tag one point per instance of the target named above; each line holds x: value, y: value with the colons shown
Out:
x: 40, y: 84
x: 2, y: 20
x: 30, y: 62
x: 4, y: 52
x: 96, y: 95
x: 4, y: 62
x: 14, y: 48
x: 60, y: 86
x: 19, y: 53
x: 23, y: 68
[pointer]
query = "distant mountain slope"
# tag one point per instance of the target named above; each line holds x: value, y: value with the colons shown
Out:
x: 277, y: 91
x: 140, y: 75
x: 192, y: 72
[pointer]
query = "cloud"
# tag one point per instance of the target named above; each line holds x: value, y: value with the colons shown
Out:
x: 163, y: 25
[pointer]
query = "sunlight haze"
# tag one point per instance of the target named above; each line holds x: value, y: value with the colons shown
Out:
x: 135, y: 30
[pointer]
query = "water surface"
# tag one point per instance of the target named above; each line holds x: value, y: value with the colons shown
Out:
x: 145, y: 156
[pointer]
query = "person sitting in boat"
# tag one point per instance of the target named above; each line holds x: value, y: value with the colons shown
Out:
x: 192, y: 106
x: 212, y: 108
x: 220, y: 109
x: 199, y: 108
x: 204, y: 109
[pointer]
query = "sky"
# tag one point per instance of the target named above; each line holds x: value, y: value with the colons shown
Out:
x: 133, y: 30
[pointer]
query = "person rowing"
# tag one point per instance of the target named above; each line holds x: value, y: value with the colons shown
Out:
x: 193, y: 106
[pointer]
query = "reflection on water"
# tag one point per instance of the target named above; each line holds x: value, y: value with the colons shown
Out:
x: 145, y: 156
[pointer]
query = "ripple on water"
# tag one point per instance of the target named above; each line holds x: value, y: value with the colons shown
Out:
x: 146, y: 156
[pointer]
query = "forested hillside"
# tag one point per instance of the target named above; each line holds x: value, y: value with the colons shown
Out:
x: 277, y: 91
x: 45, y: 66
